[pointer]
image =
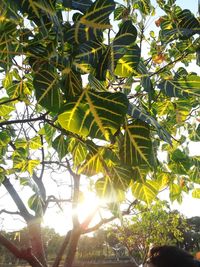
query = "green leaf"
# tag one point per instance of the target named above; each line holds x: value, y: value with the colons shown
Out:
x: 2, y: 175
x: 35, y: 142
x: 47, y: 89
x: 146, y: 191
x: 137, y: 147
x: 128, y: 63
x: 48, y: 131
x: 93, y: 162
x: 31, y: 164
x: 124, y: 39
x: 35, y: 204
x: 88, y: 52
x: 184, y: 87
x: 79, y: 33
x: 71, y: 83
x: 94, y: 114
x: 175, y: 193
x: 186, y: 25
x: 97, y: 15
x: 4, y: 138
x: 195, y: 134
x: 144, y: 6
x: 196, y: 193
x: 78, y: 150
x: 60, y: 144
x: 118, y: 13
x: 77, y: 4
x: 121, y: 176
x: 106, y: 190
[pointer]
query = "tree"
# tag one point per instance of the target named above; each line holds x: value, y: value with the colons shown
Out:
x: 157, y: 225
x: 82, y: 98
x: 191, y: 236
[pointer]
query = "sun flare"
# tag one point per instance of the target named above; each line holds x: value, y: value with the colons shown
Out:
x: 59, y: 219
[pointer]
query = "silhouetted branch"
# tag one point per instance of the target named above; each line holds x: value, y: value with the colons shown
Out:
x: 62, y: 250
x: 18, y: 202
x: 42, y: 117
x: 24, y: 254
x: 9, y: 212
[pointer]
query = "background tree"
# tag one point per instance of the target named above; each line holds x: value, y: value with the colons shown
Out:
x: 83, y: 99
x: 191, y: 236
x: 157, y: 225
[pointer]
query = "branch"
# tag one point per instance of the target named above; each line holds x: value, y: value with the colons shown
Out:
x: 170, y: 63
x: 24, y: 254
x: 107, y: 220
x: 9, y: 100
x: 10, y: 212
x: 87, y: 221
x: 52, y: 198
x: 62, y: 249
x: 19, y: 203
x: 98, y: 225
x: 42, y: 117
x: 40, y: 186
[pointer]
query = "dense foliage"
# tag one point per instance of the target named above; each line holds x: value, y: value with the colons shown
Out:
x: 95, y: 101
x: 157, y: 225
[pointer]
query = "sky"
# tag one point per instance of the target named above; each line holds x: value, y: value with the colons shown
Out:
x: 189, y: 206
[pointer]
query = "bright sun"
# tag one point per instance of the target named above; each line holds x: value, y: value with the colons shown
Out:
x: 60, y: 220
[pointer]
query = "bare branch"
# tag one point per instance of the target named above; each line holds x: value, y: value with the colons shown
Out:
x: 42, y: 117
x: 52, y: 198
x: 98, y: 225
x: 107, y: 220
x: 9, y: 100
x: 16, y: 198
x: 62, y: 250
x: 10, y: 212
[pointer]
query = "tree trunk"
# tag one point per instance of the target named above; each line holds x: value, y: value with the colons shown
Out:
x: 35, y: 235
x: 72, y: 246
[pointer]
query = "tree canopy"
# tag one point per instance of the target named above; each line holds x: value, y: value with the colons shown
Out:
x: 87, y: 89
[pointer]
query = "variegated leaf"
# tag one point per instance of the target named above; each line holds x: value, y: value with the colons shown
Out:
x: 79, y: 151
x: 186, y: 26
x: 5, y: 107
x: 60, y: 144
x: 79, y: 33
x: 128, y: 63
x: 140, y: 114
x: 48, y: 131
x: 137, y: 147
x: 121, y: 176
x: 94, y: 114
x: 77, y: 4
x: 95, y: 84
x: 146, y: 191
x: 35, y: 142
x: 93, y: 162
x: 89, y: 53
x: 106, y: 190
x: 124, y: 40
x: 97, y: 15
x: 71, y: 83
x: 144, y: 6
x: 46, y: 84
x: 196, y: 193
x: 184, y: 87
